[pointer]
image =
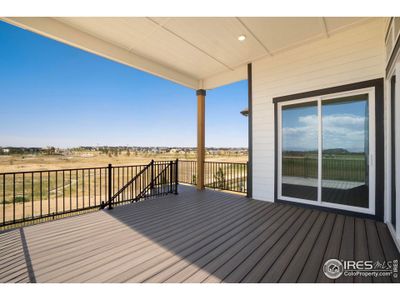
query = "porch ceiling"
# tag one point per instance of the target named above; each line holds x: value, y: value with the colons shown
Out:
x: 189, y: 51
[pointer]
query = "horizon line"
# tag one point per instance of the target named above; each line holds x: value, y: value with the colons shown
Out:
x: 121, y: 146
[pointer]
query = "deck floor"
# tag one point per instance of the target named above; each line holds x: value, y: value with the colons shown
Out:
x: 192, y: 237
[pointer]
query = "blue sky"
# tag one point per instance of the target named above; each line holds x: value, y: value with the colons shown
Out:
x: 53, y: 94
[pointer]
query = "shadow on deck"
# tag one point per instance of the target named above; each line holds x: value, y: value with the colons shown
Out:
x: 193, y: 237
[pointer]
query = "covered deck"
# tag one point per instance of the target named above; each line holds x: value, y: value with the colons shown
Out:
x: 195, y: 236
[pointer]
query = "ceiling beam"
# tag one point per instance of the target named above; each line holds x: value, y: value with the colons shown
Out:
x: 324, y: 27
x: 61, y: 32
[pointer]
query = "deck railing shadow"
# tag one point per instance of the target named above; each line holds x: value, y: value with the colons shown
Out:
x: 194, y: 227
x: 212, y: 236
x: 15, y: 259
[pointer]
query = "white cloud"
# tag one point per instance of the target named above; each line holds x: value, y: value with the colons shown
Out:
x: 339, y: 131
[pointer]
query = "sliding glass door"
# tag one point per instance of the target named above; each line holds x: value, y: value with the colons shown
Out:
x: 345, y: 143
x: 326, y: 151
x: 300, y: 151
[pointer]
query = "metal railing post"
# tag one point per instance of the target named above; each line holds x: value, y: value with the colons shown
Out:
x: 176, y: 177
x: 109, y: 186
x: 171, y: 176
x: 248, y: 195
x: 152, y: 175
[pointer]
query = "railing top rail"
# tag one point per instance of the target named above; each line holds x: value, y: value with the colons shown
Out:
x: 226, y: 162
x: 52, y: 170
x: 218, y: 162
x: 127, y: 166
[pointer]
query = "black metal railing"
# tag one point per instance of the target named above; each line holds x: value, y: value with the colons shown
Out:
x: 27, y: 196
x: 155, y: 179
x: 188, y: 171
x: 226, y: 176
x: 217, y: 175
x: 33, y: 195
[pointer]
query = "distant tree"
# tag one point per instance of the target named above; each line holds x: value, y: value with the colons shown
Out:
x: 51, y: 150
x: 128, y: 153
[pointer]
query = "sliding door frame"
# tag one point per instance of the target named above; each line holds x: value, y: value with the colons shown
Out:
x: 393, y: 152
x: 371, y: 153
x: 374, y: 88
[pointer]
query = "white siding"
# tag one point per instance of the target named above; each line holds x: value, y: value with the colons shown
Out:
x: 350, y: 56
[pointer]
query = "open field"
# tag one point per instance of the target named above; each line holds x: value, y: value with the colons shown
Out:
x: 45, y: 184
x: 17, y: 163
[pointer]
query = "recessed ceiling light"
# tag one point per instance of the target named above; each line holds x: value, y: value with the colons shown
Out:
x: 241, y: 37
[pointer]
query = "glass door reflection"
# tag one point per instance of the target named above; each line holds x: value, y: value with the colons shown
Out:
x: 345, y: 151
x: 300, y: 151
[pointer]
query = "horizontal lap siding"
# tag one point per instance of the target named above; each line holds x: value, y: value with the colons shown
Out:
x: 349, y: 56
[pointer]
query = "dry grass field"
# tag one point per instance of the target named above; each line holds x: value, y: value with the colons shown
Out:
x: 48, y: 193
x: 17, y: 163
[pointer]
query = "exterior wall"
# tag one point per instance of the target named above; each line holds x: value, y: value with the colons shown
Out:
x: 392, y: 68
x: 354, y: 55
x: 397, y: 158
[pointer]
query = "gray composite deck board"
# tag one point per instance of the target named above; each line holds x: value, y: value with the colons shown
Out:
x: 272, y: 255
x: 388, y: 246
x: 346, y: 251
x: 195, y: 236
x: 117, y: 260
x: 295, y: 267
x: 333, y: 247
x: 374, y: 246
x: 313, y: 264
x: 361, y: 247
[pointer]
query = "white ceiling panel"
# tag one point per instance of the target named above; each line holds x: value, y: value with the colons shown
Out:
x: 218, y: 37
x: 279, y: 33
x: 336, y: 23
x: 145, y: 38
